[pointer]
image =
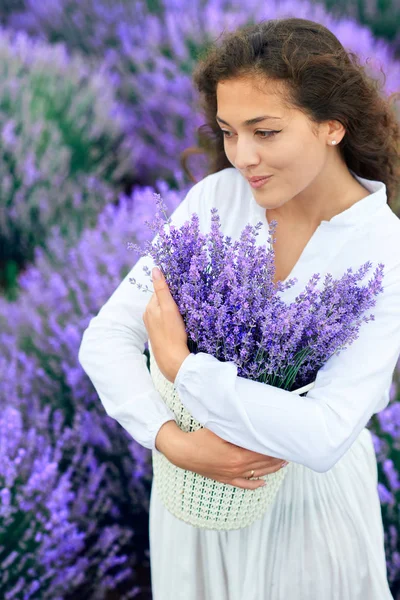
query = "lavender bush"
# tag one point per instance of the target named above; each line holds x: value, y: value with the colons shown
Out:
x: 64, y: 106
x: 143, y: 73
x: 27, y: 225
x: 61, y: 531
x: 232, y: 309
x: 63, y: 290
x: 74, y: 486
x: 385, y: 429
x: 62, y: 143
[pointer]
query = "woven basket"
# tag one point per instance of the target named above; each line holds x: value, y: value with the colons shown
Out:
x: 198, y: 500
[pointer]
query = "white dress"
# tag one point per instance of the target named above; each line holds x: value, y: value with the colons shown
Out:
x: 322, y: 539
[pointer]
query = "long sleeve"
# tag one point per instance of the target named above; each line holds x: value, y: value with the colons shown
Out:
x: 112, y: 346
x: 314, y: 430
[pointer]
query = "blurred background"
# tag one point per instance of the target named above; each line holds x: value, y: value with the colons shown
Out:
x: 96, y: 108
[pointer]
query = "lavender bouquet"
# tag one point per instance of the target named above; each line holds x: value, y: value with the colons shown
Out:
x: 231, y: 306
x: 232, y: 310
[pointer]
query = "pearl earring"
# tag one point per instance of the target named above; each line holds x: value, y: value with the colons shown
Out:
x: 334, y: 142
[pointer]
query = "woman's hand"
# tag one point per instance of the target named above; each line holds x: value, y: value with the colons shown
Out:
x: 165, y: 328
x: 218, y: 459
x: 209, y: 455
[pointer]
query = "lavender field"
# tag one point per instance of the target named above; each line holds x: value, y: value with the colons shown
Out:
x: 96, y: 108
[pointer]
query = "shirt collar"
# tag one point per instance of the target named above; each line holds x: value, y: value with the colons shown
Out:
x: 364, y: 208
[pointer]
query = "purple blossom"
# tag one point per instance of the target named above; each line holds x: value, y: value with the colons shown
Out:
x: 389, y: 421
x: 391, y: 474
x: 384, y: 495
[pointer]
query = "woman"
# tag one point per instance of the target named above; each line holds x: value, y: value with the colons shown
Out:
x: 285, y: 102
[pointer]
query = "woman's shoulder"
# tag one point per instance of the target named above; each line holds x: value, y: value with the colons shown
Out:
x: 392, y: 239
x: 377, y: 239
x: 393, y: 222
x: 388, y: 232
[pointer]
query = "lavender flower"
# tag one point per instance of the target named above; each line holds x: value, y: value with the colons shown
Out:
x: 232, y: 308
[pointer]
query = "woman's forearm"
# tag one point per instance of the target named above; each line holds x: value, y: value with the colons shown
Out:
x: 205, y: 453
x: 173, y: 443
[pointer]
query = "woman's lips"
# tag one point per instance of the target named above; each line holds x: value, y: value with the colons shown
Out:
x: 260, y: 182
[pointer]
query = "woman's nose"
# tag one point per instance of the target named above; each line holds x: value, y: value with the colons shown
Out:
x: 246, y: 155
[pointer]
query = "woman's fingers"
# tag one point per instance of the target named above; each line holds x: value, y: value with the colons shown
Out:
x: 247, y: 484
x: 247, y: 460
x: 253, y: 484
x: 215, y: 458
x: 264, y: 468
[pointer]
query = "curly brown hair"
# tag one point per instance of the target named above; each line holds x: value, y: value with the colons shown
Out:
x: 322, y: 79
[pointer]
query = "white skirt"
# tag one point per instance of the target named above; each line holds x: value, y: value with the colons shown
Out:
x: 322, y: 539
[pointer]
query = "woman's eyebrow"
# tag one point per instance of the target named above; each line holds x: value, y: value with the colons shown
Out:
x: 250, y: 121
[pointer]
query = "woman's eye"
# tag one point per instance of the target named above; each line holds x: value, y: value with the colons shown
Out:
x: 269, y: 134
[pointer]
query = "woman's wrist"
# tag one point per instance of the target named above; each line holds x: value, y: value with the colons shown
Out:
x: 172, y: 442
x: 176, y: 361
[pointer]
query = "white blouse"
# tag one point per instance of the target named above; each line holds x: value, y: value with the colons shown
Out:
x: 314, y: 430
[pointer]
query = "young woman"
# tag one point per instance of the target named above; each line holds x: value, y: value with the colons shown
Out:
x: 285, y: 102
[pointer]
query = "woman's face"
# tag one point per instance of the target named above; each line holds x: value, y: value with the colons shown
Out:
x: 284, y: 146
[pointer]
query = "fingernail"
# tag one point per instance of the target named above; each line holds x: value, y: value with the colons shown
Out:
x: 284, y: 463
x: 156, y: 273
x: 263, y: 483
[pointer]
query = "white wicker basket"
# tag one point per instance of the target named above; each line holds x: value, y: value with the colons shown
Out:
x: 198, y: 500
